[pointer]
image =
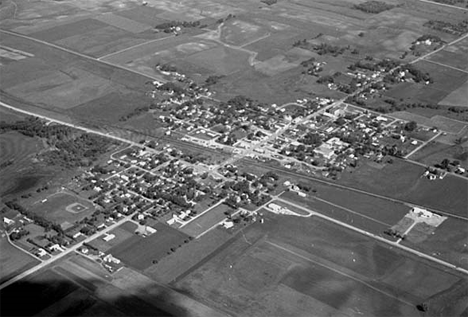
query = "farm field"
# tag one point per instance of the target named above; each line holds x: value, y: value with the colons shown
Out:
x: 189, y: 256
x: 205, y: 221
x: 402, y: 180
x: 140, y: 253
x: 20, y: 172
x: 436, y: 152
x: 372, y: 220
x: 447, y: 242
x: 63, y: 208
x: 18, y: 148
x: 329, y: 269
x: 457, y: 97
x: 13, y: 261
x: 445, y: 81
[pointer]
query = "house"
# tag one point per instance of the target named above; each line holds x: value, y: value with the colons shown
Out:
x: 41, y: 252
x: 108, y: 237
x: 228, y: 224
x: 8, y: 221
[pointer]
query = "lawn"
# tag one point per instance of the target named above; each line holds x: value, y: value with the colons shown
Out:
x: 13, y: 261
x: 140, y: 253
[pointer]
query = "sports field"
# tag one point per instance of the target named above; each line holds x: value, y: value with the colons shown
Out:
x: 63, y: 208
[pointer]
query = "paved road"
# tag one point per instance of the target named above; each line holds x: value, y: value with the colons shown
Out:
x: 333, y: 184
x: 377, y: 237
x: 66, y: 252
x: 423, y: 144
x: 444, y: 5
x: 79, y: 54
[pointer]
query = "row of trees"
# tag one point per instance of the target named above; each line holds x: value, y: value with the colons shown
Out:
x: 41, y: 221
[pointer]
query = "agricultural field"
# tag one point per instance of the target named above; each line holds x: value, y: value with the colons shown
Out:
x: 445, y: 79
x: 13, y: 261
x: 19, y: 171
x: 322, y: 268
x: 140, y: 253
x: 402, y: 180
x: 447, y: 242
x: 206, y: 221
x: 189, y: 256
x: 63, y: 209
x: 435, y: 153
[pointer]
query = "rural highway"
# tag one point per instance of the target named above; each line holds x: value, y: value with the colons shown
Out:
x: 66, y: 252
x: 444, y: 5
x: 377, y: 237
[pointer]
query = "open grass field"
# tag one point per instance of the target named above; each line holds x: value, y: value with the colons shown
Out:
x: 121, y: 235
x: 206, y: 221
x: 18, y: 148
x: 140, y: 253
x: 402, y: 180
x: 189, y: 256
x: 330, y: 269
x: 371, y: 218
x: 445, y: 81
x: 448, y: 242
x: 442, y: 123
x: 63, y: 208
x: 13, y: 261
x: 457, y: 98
x: 434, y: 153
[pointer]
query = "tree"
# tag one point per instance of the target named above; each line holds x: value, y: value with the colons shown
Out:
x: 411, y: 126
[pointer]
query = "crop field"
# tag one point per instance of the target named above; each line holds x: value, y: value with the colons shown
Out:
x: 41, y: 290
x: 205, y: 221
x: 13, y: 261
x: 63, y: 89
x: 63, y: 209
x: 402, y: 180
x: 445, y: 81
x: 17, y: 148
x: 189, y: 256
x: 454, y: 55
x: 140, y: 253
x: 457, y: 98
x: 436, y: 152
x: 448, y: 242
x: 332, y: 270
x: 367, y: 218
x: 440, y: 122
x: 240, y: 33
